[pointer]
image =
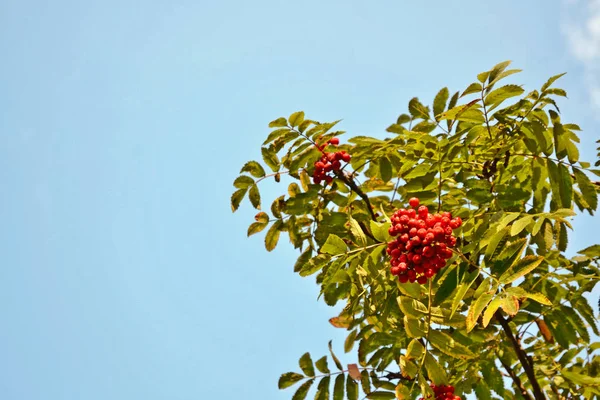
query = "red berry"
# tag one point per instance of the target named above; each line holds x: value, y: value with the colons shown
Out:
x: 346, y: 157
x: 423, y: 211
x: 422, y: 279
x: 414, y: 202
x: 334, y: 141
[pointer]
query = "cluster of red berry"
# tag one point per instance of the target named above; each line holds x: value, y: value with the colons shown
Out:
x: 329, y: 162
x: 443, y: 392
x: 422, y: 244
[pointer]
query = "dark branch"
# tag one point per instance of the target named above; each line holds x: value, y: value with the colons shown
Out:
x: 525, y: 360
x: 516, y: 380
x: 350, y: 182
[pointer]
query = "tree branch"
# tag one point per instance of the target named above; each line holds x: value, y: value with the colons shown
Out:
x: 523, y: 357
x: 516, y: 380
x: 350, y: 182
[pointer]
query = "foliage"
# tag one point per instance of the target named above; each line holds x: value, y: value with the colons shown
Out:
x: 508, y: 304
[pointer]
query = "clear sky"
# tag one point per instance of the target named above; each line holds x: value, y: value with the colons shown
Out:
x: 123, y: 273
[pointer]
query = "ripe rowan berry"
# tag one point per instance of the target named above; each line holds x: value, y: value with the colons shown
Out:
x: 422, y: 242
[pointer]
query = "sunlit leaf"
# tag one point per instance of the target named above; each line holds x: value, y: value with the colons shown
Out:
x: 334, y: 245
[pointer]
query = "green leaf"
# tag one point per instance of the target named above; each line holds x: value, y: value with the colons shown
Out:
x: 521, y: 293
x: 303, y: 390
x: 365, y: 382
x: 457, y: 111
x: 278, y: 123
x: 243, y: 182
x: 270, y: 158
x: 357, y: 232
x: 349, y: 342
x: 236, y: 198
x: 520, y: 267
x: 462, y: 290
x: 444, y: 343
x: 321, y: 365
x: 272, y: 236
x: 338, y: 388
x: 587, y: 188
x: 306, y: 365
x: 472, y: 88
x: 503, y: 75
x: 336, y: 360
x: 439, y: 103
x: 288, y: 379
x: 334, y: 246
x: 498, y: 69
x: 385, y: 168
x: 323, y: 389
x: 254, y: 196
x: 303, y: 259
x: 276, y: 134
x: 411, y: 307
x: 520, y: 224
x: 483, y: 391
x: 414, y: 350
x: 592, y: 251
x: 494, y: 241
x: 254, y: 168
x: 256, y: 227
x: 381, y: 395
x: 448, y: 285
x: 490, y: 311
x: 482, y: 77
x: 351, y: 389
x: 497, y: 96
x: 566, y: 186
x: 580, y: 379
x: 555, y: 182
x: 476, y: 308
x: 572, y: 152
x: 413, y: 328
x: 417, y: 110
x: 296, y: 118
x: 436, y: 373
x: 551, y: 81
x: 563, y: 239
x: 380, y: 230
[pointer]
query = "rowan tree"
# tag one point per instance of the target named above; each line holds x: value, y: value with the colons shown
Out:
x: 445, y: 243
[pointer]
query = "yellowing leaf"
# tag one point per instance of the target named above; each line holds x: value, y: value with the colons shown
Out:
x: 476, y: 308
x: 490, y: 311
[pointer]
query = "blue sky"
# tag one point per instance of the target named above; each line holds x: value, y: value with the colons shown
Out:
x: 122, y: 125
